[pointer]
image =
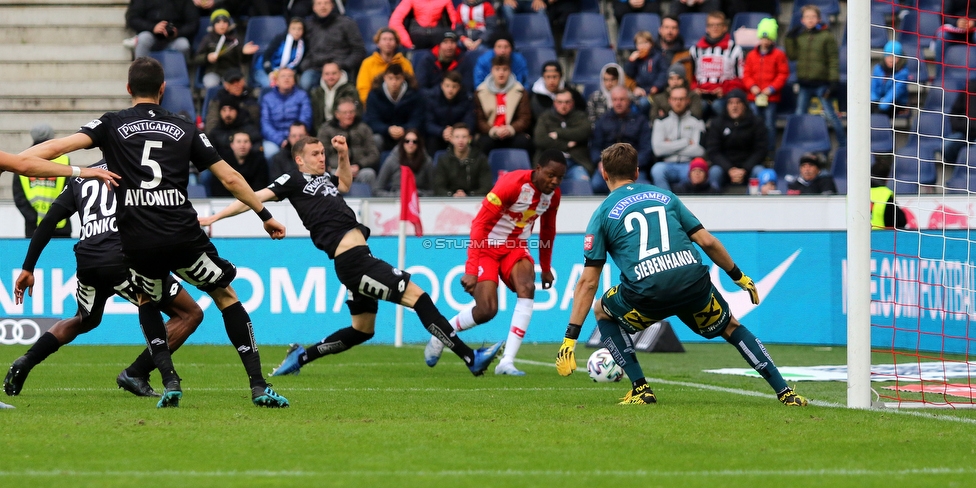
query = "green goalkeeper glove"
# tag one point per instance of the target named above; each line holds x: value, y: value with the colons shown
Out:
x: 745, y: 283
x: 566, y: 358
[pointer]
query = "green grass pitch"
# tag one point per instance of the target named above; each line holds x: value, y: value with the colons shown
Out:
x: 377, y: 416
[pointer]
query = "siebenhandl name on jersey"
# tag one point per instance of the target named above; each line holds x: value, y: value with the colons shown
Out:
x: 663, y: 262
x: 154, y: 198
x: 151, y: 126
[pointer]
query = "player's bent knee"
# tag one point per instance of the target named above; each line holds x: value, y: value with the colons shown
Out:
x: 598, y: 311
x: 223, y: 297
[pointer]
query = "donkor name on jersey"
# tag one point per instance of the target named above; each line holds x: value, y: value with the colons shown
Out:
x: 151, y: 127
x: 154, y: 198
x: 663, y: 262
x: 95, y: 227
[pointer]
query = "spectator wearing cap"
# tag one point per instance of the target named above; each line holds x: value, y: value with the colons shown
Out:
x: 767, y: 182
x: 502, y: 110
x: 544, y: 90
x: 889, y: 81
x: 330, y: 35
x: 387, y: 43
x: 811, y: 180
x: 33, y: 196
x: 234, y: 86
x: 718, y: 63
x: 697, y: 182
x: 568, y: 131
x: 232, y: 119
x: 279, y: 108
x: 735, y: 142
x: 162, y: 24
x: 502, y: 44
x: 221, y: 50
x: 766, y: 72
x: 421, y: 24
x: 621, y: 124
x: 676, y: 77
x: 286, y: 50
x: 393, y: 106
x: 445, y: 107
x: 431, y: 65
x: 333, y: 86
x: 676, y: 140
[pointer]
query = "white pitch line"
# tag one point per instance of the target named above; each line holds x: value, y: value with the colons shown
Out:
x: 506, y: 472
x: 736, y: 391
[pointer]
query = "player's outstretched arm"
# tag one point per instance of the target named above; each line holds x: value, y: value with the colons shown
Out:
x: 582, y: 302
x: 344, y: 170
x: 720, y: 256
x: 236, y: 207
x: 237, y: 186
x: 34, y: 161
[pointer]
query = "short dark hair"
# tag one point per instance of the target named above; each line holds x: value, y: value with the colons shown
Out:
x: 454, y: 76
x: 240, y: 131
x: 613, y: 71
x: 619, y: 161
x: 670, y: 17
x: 298, y: 123
x: 461, y: 125
x: 553, y: 64
x: 501, y: 61
x: 145, y: 77
x: 560, y: 91
x: 335, y: 107
x: 394, y: 69
x: 299, y: 146
x: 552, y: 156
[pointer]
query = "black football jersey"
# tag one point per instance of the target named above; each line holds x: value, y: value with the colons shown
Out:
x: 151, y: 148
x: 99, y: 244
x: 322, y: 209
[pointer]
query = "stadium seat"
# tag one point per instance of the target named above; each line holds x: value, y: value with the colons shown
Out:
x: 368, y: 25
x: 930, y: 5
x: 437, y: 155
x: 502, y: 161
x: 787, y: 161
x: 838, y: 169
x: 591, y: 6
x: 882, y: 135
x: 201, y: 31
x: 585, y: 30
x: 807, y: 132
x: 879, y: 30
x: 632, y: 24
x: 179, y: 100
x: 929, y: 130
x: 576, y: 188
x: 828, y: 8
x: 532, y: 30
x: 261, y: 30
x: 196, y: 191
x: 535, y: 57
x: 368, y: 8
x: 359, y: 190
x: 749, y: 20
x: 913, y: 166
x: 174, y: 67
x: 211, y: 93
x: 589, y: 62
x: 963, y: 179
x: 692, y: 27
x: 843, y: 65
x: 957, y: 61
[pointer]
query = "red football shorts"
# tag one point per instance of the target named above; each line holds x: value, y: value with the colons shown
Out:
x: 499, y: 261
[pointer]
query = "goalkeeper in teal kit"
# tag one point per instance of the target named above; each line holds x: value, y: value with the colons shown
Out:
x: 649, y: 234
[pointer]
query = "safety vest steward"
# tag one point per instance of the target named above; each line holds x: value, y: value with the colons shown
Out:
x: 879, y: 199
x: 41, y: 192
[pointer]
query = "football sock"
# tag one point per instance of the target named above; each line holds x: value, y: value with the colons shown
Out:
x: 337, y: 342
x: 46, y: 345
x: 155, y: 332
x: 520, y: 322
x: 621, y: 348
x: 438, y: 326
x: 142, y: 366
x: 755, y: 354
x: 241, y: 334
x: 464, y: 320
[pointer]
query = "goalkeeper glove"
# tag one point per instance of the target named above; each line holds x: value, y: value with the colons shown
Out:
x: 566, y: 358
x: 745, y: 283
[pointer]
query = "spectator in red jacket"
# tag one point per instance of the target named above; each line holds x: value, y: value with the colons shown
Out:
x: 766, y: 72
x: 421, y: 24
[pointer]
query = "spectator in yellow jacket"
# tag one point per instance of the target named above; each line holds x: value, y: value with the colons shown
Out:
x: 387, y: 43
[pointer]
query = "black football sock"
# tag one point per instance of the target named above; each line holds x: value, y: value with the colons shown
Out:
x: 439, y: 327
x: 45, y: 346
x: 241, y: 334
x: 337, y: 342
x: 142, y: 366
x: 155, y: 332
x: 752, y: 350
x: 621, y: 348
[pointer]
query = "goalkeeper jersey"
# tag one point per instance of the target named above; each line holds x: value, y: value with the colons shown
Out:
x: 645, y: 230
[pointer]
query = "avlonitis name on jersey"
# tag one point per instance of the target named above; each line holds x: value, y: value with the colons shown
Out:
x: 153, y: 198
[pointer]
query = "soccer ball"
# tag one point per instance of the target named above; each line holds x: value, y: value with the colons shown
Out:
x: 602, y: 367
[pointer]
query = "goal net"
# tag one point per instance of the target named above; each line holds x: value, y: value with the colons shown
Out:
x: 923, y: 281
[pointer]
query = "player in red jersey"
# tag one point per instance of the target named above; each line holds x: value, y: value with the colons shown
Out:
x: 499, y: 247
